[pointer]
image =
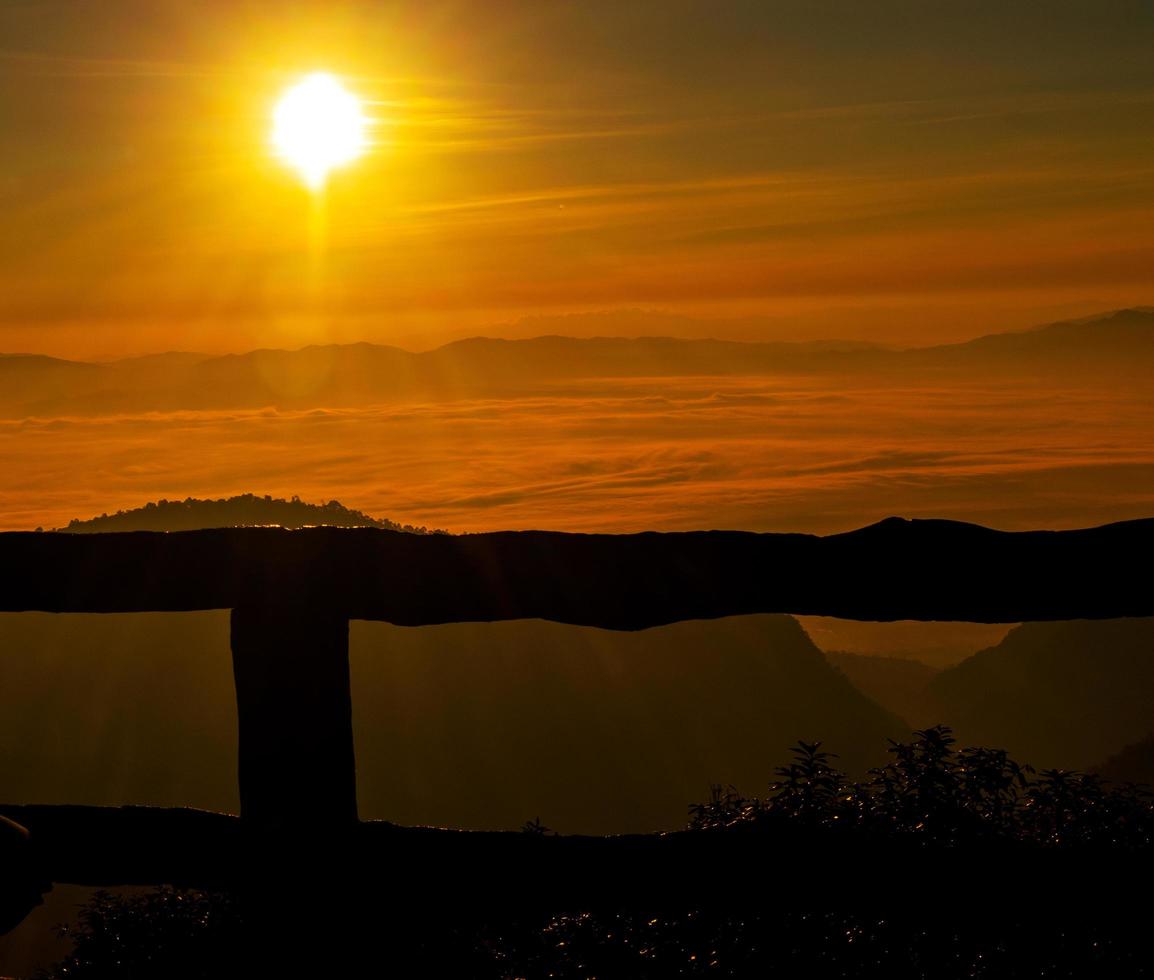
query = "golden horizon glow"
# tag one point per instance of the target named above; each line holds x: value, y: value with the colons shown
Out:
x: 319, y: 125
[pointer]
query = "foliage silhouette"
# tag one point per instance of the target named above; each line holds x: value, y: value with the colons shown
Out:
x: 244, y: 510
x: 167, y: 932
x: 931, y: 794
x: 935, y: 794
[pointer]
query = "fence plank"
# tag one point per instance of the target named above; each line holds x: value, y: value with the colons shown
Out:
x: 926, y: 570
x: 438, y: 869
x: 294, y: 712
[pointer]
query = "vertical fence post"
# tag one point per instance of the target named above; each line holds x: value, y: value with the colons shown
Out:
x: 294, y: 706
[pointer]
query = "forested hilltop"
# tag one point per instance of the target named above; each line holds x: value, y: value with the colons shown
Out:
x: 244, y: 510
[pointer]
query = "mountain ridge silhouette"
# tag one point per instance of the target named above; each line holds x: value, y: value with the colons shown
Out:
x: 1114, y: 346
x: 1068, y: 693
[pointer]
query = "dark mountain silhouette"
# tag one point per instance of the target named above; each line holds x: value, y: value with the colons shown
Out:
x: 1115, y: 343
x: 1115, y: 346
x: 1060, y: 694
x: 591, y: 730
x: 936, y: 644
x: 1133, y: 764
x: 898, y: 684
x: 469, y: 724
x: 656, y: 323
x: 244, y: 510
x: 26, y: 379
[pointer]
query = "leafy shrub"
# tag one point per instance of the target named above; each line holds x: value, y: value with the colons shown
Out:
x: 938, y: 795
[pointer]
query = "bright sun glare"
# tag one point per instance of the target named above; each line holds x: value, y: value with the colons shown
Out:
x: 318, y: 125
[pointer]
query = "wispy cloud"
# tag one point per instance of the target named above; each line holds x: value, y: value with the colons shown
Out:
x: 32, y: 64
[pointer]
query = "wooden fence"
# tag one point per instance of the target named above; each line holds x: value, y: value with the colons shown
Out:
x: 292, y: 594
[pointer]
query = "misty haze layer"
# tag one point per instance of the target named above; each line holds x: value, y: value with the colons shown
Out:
x: 1045, y: 428
x: 624, y: 455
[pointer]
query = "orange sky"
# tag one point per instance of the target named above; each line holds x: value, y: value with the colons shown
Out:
x: 898, y: 171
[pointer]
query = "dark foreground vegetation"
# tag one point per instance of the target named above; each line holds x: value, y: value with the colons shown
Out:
x: 931, y: 797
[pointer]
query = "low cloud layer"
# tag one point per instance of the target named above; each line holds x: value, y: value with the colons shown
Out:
x: 624, y: 455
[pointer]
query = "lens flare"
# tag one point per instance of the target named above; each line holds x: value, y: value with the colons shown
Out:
x: 318, y: 125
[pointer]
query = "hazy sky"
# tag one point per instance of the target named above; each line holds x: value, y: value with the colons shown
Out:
x: 898, y: 169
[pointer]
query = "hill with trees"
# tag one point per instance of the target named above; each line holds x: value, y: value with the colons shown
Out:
x: 243, y: 510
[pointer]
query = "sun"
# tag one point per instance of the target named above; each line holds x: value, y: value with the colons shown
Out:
x: 318, y: 125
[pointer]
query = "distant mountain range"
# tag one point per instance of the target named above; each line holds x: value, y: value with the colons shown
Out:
x: 1077, y: 694
x: 1114, y: 346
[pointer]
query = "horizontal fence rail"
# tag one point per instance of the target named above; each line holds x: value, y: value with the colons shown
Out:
x: 135, y: 845
x: 897, y: 569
